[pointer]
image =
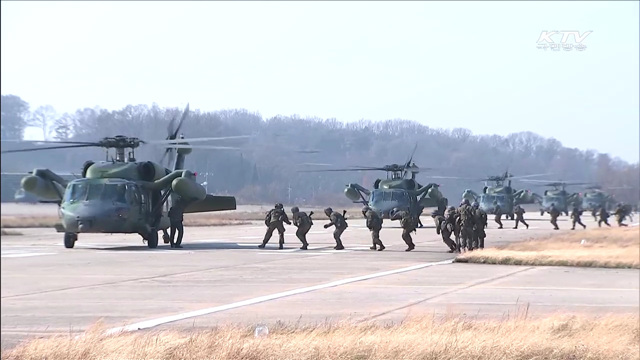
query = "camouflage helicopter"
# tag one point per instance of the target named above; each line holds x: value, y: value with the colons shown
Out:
x: 594, y: 198
x: 559, y: 196
x: 399, y: 190
x: 504, y: 195
x: 121, y: 194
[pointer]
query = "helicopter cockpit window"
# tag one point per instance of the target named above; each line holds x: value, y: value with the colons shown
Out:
x: 114, y: 192
x: 399, y: 196
x: 77, y: 192
x: 133, y: 197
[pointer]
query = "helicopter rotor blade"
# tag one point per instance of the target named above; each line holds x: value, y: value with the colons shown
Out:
x: 178, y: 141
x: 51, y: 148
x: 53, y: 142
x: 184, y: 116
x: 187, y: 146
x: 527, y: 176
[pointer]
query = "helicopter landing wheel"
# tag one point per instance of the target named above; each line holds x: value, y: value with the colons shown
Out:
x: 152, y: 239
x: 70, y: 240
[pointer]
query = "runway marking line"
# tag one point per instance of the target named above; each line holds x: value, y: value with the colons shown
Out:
x: 168, y: 319
x: 24, y: 255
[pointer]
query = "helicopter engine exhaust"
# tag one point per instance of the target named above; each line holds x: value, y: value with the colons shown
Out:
x: 41, y: 188
x: 187, y: 188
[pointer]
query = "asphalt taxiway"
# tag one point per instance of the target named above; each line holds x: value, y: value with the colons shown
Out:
x: 220, y: 276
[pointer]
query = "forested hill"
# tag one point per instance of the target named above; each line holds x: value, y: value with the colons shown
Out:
x: 266, y: 168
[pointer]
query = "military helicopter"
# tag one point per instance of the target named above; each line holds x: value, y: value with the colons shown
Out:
x: 593, y: 199
x: 121, y: 194
x: 399, y: 190
x: 559, y: 196
x: 504, y: 195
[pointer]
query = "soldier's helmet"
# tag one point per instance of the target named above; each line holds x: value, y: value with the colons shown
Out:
x: 295, y: 209
x: 279, y: 206
x: 465, y: 201
x: 475, y: 205
x: 328, y: 211
x: 451, y: 208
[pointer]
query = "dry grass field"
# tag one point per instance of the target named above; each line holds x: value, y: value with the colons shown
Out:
x: 556, y: 337
x: 601, y: 247
x: 222, y: 218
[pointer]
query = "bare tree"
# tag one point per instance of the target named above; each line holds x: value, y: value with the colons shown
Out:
x: 42, y: 118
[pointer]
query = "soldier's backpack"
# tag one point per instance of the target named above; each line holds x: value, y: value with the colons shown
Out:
x: 466, y: 215
x: 267, y: 218
x: 408, y: 221
x: 340, y: 222
x: 276, y: 215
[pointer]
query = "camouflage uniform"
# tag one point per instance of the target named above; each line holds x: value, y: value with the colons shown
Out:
x: 554, y: 213
x: 303, y: 222
x: 176, y: 217
x: 519, y: 211
x: 466, y: 221
x: 604, y: 217
x: 408, y: 223
x: 340, y: 224
x: 443, y: 229
x: 374, y: 224
x: 479, y: 223
x: 274, y: 219
x: 620, y: 214
x: 498, y: 213
x: 575, y: 217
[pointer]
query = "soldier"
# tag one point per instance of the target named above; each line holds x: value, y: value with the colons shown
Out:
x: 620, y: 214
x: 273, y: 220
x: 498, y: 212
x: 466, y: 220
x: 575, y: 216
x: 176, y: 217
x: 452, y: 225
x: 408, y: 224
x: 604, y: 217
x: 479, y: 224
x: 340, y: 224
x: 374, y: 224
x: 519, y: 211
x: 594, y: 213
x: 303, y: 222
x: 554, y: 213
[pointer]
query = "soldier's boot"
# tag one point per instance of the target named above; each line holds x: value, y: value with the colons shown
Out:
x: 339, y: 245
x: 374, y: 246
x: 261, y: 246
x: 381, y: 247
x: 515, y: 227
x: 281, y: 242
x: 481, y: 241
x: 304, y: 246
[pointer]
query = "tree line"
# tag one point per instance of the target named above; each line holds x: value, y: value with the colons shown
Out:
x: 268, y: 165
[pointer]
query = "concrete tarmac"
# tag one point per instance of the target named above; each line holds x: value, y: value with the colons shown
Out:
x: 220, y: 276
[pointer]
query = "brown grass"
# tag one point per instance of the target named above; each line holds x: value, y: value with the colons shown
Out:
x: 222, y: 218
x: 603, y: 247
x: 557, y: 337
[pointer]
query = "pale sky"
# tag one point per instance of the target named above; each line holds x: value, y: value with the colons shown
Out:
x: 445, y: 64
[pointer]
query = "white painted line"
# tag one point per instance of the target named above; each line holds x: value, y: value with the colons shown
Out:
x: 25, y: 255
x: 167, y: 319
x: 635, y: 224
x: 250, y: 237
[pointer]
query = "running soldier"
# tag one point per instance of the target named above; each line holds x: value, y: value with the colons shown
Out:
x: 620, y: 214
x: 604, y: 217
x: 273, y: 220
x: 519, y: 211
x: 303, y: 222
x: 554, y: 213
x: 340, y: 224
x: 498, y: 212
x: 575, y: 217
x: 408, y: 224
x: 374, y: 224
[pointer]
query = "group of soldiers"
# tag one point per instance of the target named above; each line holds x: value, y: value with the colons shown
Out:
x: 466, y: 224
x: 277, y: 217
x: 601, y: 216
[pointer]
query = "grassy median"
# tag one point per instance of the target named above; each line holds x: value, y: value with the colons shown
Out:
x: 602, y: 247
x: 557, y: 337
